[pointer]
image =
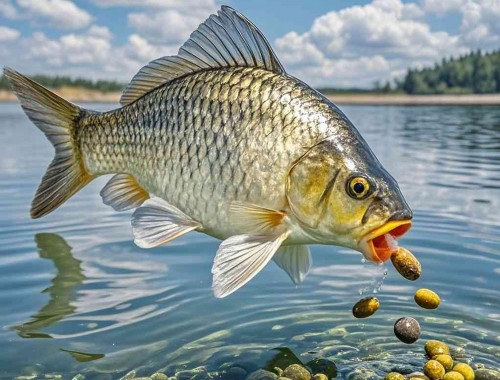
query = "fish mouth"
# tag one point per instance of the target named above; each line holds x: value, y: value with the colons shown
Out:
x: 379, y: 244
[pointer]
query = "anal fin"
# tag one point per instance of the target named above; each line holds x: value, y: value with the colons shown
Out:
x: 157, y: 222
x: 295, y: 260
x: 122, y: 192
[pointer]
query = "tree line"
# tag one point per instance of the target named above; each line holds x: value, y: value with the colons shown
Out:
x: 66, y: 81
x: 473, y: 73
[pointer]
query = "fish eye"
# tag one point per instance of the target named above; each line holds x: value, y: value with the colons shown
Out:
x: 358, y: 187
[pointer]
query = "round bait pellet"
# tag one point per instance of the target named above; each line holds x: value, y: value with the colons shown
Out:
x: 365, y: 307
x: 394, y: 376
x: 427, y: 299
x: 406, y: 264
x: 434, y: 370
x: 407, y: 330
x: 435, y: 347
x: 296, y: 372
x: 465, y: 370
x: 320, y: 376
x: 445, y: 360
x: 453, y: 375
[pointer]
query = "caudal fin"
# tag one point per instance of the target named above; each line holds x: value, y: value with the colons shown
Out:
x: 57, y: 118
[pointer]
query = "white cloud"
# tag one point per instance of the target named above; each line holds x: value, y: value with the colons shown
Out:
x: 8, y: 34
x: 359, y: 44
x: 440, y: 6
x: 60, y: 13
x: 7, y: 9
x: 186, y: 4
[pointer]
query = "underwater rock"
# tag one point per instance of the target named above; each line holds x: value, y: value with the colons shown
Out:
x: 394, y: 376
x: 323, y: 366
x: 235, y: 373
x: 427, y: 299
x: 296, y: 372
x: 159, y: 376
x: 435, y: 347
x: 407, y: 330
x: 406, y: 264
x: 363, y: 373
x: 262, y: 374
x: 320, y: 376
x: 129, y: 376
x: 453, y: 375
x: 365, y: 307
x: 417, y: 376
x: 487, y: 374
x: 466, y: 371
x: 78, y: 377
x: 434, y: 370
x: 445, y: 360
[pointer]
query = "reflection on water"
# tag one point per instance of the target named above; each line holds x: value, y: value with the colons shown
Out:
x: 62, y: 291
x: 111, y: 307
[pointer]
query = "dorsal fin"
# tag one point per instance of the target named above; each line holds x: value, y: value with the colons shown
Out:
x: 223, y: 40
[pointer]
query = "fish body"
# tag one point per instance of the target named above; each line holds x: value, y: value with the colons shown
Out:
x: 221, y: 140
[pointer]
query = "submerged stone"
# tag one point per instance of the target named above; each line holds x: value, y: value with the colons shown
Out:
x: 323, y: 366
x: 262, y: 374
x: 296, y: 372
x: 487, y: 374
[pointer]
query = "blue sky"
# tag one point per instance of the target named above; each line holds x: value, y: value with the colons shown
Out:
x: 324, y: 42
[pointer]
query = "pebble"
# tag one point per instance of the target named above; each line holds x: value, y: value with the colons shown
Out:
x: 466, y: 371
x: 323, y: 366
x: 296, y: 372
x: 407, y: 330
x: 487, y: 374
x: 78, y: 377
x: 129, y: 376
x: 394, y: 376
x: 320, y: 376
x: 365, y: 307
x: 417, y: 376
x: 262, y: 374
x: 434, y: 370
x: 445, y: 360
x: 159, y: 376
x: 435, y: 347
x: 427, y: 299
x: 406, y: 264
x: 453, y: 375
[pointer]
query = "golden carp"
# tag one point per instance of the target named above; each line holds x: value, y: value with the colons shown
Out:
x: 221, y: 140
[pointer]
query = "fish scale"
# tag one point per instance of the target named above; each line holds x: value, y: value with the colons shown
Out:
x: 210, y: 138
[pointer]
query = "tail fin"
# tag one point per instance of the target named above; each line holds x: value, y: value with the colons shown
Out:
x: 57, y: 118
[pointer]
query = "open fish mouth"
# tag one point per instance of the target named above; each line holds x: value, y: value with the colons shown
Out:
x: 379, y: 244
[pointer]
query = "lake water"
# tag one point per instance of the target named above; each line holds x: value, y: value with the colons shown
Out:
x: 77, y: 296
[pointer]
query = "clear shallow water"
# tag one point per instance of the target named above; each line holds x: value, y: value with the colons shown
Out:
x: 77, y: 296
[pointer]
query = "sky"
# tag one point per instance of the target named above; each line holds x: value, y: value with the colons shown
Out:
x: 327, y: 43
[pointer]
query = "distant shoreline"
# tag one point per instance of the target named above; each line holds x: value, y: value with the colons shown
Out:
x: 93, y: 96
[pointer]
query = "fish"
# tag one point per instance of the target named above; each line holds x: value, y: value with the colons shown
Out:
x: 221, y: 140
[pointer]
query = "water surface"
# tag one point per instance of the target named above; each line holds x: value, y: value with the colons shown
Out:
x: 77, y: 296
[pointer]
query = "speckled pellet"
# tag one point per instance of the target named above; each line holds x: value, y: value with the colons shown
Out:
x: 434, y: 370
x: 394, y: 376
x: 435, y: 347
x: 365, y: 307
x: 406, y: 264
x: 453, y: 375
x: 445, y: 360
x: 296, y: 372
x: 465, y: 370
x: 407, y: 330
x: 427, y: 299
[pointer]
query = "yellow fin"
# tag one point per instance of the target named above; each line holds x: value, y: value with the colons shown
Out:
x: 122, y: 192
x: 253, y: 218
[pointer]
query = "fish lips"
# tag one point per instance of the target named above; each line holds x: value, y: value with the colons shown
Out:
x: 379, y: 244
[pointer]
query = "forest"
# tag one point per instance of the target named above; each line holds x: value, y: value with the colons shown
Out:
x: 66, y: 81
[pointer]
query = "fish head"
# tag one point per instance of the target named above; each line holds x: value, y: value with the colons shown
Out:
x: 340, y: 194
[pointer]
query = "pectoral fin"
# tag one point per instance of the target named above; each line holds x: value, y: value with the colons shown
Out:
x: 157, y: 222
x: 255, y: 218
x: 295, y: 260
x: 240, y: 258
x: 122, y: 192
